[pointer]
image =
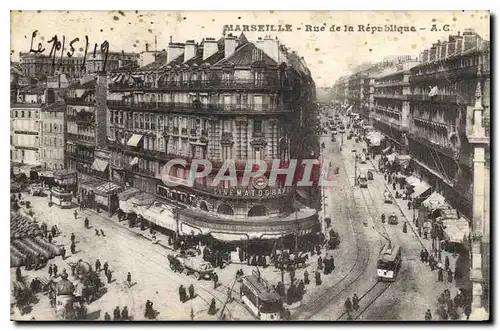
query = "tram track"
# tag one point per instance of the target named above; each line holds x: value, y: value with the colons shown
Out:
x: 176, y: 278
x: 359, y: 266
x: 369, y: 297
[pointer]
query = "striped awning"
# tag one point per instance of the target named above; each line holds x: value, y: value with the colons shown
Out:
x: 100, y: 165
x: 134, y: 140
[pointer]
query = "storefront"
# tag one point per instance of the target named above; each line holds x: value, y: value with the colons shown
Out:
x: 106, y: 196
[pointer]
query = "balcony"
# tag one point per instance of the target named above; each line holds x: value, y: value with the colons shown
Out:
x: 79, y: 157
x: 184, y: 132
x: 198, y: 108
x: 81, y: 139
x: 136, y: 170
x: 83, y: 119
x: 447, y: 74
x: 391, y: 96
x: 272, y: 83
x: 437, y: 98
x: 389, y: 84
x: 81, y: 102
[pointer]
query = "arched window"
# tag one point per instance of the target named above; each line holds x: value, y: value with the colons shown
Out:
x: 203, y: 206
x: 258, y: 210
x: 225, y: 209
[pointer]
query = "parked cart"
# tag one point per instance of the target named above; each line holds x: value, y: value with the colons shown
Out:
x: 191, y: 265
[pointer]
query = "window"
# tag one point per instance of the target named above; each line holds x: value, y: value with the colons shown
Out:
x: 257, y: 127
x: 228, y: 125
x: 257, y: 153
x: 22, y: 113
x: 257, y: 102
x: 227, y: 102
x: 226, y: 152
x: 225, y: 209
x: 258, y: 210
x: 29, y: 114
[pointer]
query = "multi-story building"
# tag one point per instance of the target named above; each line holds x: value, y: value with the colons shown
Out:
x: 443, y: 90
x: 226, y: 99
x: 52, y: 140
x: 341, y: 91
x: 391, y: 103
x: 25, y: 128
x: 41, y: 66
x: 109, y: 61
x: 86, y: 127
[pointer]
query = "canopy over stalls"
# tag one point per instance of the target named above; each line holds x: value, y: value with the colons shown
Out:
x: 392, y: 157
x: 420, y: 189
x: 456, y: 230
x: 108, y: 188
x: 433, y: 201
x: 161, y: 215
x: 403, y: 160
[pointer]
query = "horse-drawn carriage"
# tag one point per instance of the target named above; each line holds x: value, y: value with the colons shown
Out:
x: 284, y: 260
x: 387, y: 197
x: 190, y: 265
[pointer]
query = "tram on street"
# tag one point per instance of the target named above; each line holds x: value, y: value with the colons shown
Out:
x: 260, y: 298
x: 389, y: 262
x: 61, y: 198
x: 363, y: 181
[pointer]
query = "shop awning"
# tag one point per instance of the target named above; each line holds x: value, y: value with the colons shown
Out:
x: 412, y: 180
x: 128, y: 193
x: 134, y: 140
x: 134, y: 161
x: 188, y: 229
x: 100, y: 165
x: 434, y: 200
x: 421, y: 189
x: 229, y: 237
x: 161, y: 215
x: 456, y: 229
x: 447, y: 214
x: 108, y: 188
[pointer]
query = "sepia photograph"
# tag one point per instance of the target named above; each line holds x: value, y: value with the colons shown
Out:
x: 250, y: 166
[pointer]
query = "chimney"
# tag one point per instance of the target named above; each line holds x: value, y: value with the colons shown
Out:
x: 229, y: 45
x: 210, y: 47
x: 190, y: 50
x: 271, y: 47
x: 174, y: 50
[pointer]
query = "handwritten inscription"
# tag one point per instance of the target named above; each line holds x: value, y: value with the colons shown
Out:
x: 57, y: 49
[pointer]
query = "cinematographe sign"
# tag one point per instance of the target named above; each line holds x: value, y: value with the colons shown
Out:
x: 249, y: 193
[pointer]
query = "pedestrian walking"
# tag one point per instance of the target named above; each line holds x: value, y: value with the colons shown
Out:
x: 125, y: 314
x: 348, y: 305
x: 97, y: 265
x: 428, y: 315
x: 450, y: 276
x: 97, y: 232
x: 50, y: 270
x: 72, y: 237
x: 102, y: 233
x: 105, y: 267
x: 447, y: 263
x: 292, y: 275
x: 54, y: 270
x: 440, y: 275
x: 73, y: 248
x: 405, y: 228
x: 49, y: 238
x: 394, y: 186
x: 53, y: 231
x: 63, y: 253
x: 107, y: 317
x: 19, y: 277
x: 422, y: 255
x: 306, y: 277
x: 182, y: 294
x: 317, y: 278
x: 191, y: 291
x: 76, y: 214
x: 320, y: 263
x: 425, y: 235
x: 212, y: 309
x: 467, y: 310
x: 86, y: 222
x: 419, y: 231
x: 129, y: 279
x: 116, y: 314
x: 109, y: 275
x: 216, y: 279
x: 355, y: 302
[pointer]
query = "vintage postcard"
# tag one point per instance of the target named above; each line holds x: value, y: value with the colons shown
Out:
x: 250, y: 166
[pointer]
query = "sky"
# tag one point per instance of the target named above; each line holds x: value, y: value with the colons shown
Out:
x: 328, y: 54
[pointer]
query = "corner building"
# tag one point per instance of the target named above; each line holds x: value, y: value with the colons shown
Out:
x: 226, y: 99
